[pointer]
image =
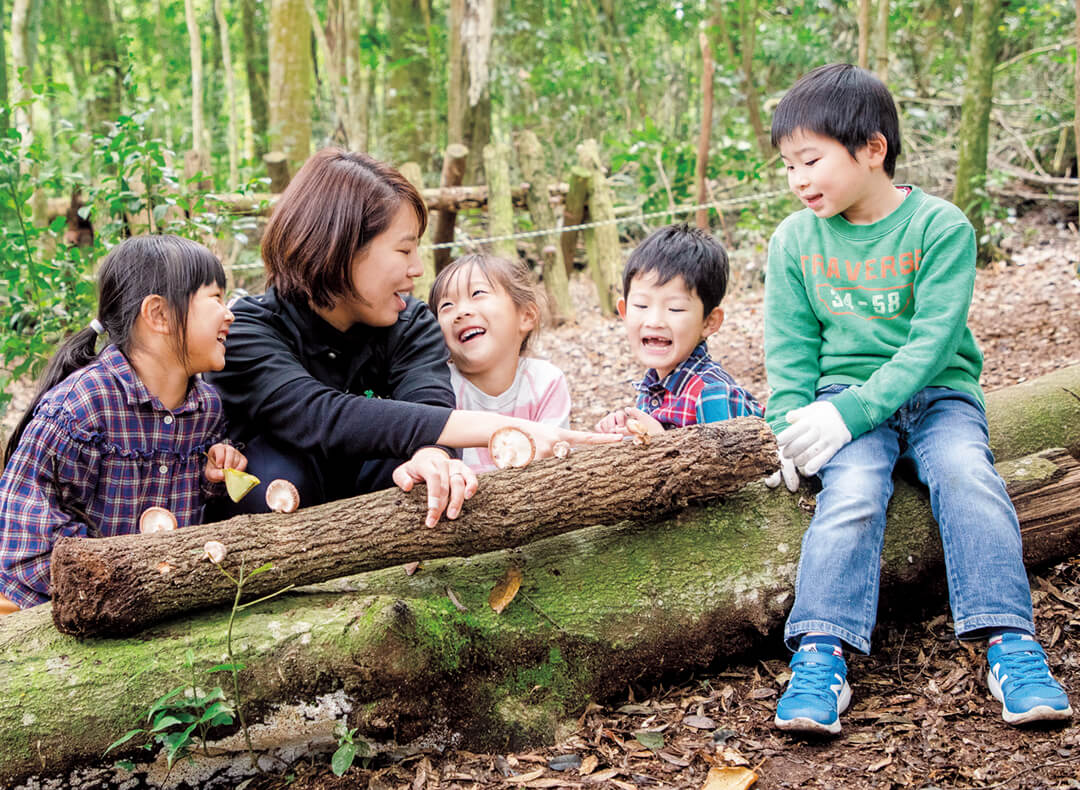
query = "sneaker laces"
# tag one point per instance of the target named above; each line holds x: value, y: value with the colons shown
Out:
x: 814, y: 680
x: 1026, y: 668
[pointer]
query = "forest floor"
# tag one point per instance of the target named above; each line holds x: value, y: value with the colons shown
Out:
x: 921, y: 715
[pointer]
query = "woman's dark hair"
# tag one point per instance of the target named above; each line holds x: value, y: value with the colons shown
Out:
x: 168, y: 266
x: 337, y: 203
x: 843, y: 102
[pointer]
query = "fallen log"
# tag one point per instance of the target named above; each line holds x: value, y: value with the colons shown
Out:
x: 598, y: 608
x: 114, y: 586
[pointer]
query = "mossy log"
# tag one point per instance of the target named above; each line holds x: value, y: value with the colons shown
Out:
x: 598, y: 608
x: 113, y: 586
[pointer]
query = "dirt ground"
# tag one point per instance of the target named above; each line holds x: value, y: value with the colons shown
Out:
x: 921, y: 716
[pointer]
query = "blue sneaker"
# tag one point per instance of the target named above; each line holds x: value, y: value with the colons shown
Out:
x: 816, y: 695
x: 1021, y: 681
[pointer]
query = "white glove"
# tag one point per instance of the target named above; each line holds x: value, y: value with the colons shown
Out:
x: 814, y: 434
x: 787, y: 472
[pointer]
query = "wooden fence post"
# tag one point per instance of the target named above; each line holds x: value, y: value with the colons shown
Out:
x: 277, y: 167
x: 452, y: 173
x: 531, y: 160
x: 574, y: 214
x: 601, y: 243
x: 500, y: 205
x: 422, y: 286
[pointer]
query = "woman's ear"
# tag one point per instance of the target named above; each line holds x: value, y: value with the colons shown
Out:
x: 154, y: 315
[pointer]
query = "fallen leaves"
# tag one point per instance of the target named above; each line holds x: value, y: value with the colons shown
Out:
x: 729, y: 779
x: 505, y: 589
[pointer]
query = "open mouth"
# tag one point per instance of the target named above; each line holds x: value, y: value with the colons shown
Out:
x: 813, y: 199
x: 467, y: 334
x: 401, y: 297
x: 221, y: 337
x: 655, y: 342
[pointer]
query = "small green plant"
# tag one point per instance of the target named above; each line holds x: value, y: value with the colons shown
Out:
x: 350, y: 746
x: 180, y: 720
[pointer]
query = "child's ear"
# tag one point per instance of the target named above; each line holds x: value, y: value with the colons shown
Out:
x: 528, y: 318
x: 154, y: 313
x: 713, y: 321
x: 621, y: 307
x: 876, y: 149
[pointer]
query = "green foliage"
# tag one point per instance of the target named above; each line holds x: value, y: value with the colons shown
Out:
x: 180, y: 720
x: 350, y: 746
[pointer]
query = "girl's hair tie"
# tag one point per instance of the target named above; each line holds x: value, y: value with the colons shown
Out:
x: 97, y: 327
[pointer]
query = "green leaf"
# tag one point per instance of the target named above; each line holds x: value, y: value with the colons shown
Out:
x: 650, y: 740
x: 236, y: 665
x: 343, y: 759
x: 127, y: 736
x: 165, y: 721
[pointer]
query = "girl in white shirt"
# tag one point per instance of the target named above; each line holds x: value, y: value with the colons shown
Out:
x: 488, y: 309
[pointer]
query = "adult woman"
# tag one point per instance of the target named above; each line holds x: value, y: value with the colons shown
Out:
x: 336, y: 378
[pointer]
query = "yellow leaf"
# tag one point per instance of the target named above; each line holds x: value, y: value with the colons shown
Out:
x: 729, y: 778
x: 238, y: 483
x: 505, y: 589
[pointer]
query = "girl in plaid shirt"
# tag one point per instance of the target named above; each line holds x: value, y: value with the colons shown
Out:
x: 110, y: 434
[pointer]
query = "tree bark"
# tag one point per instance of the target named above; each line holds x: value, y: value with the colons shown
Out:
x: 453, y: 170
x: 255, y: 66
x: 574, y: 210
x: 413, y: 174
x: 881, y: 44
x: 106, y: 75
x: 23, y: 56
x: 599, y: 608
x: 602, y: 242
x: 277, y: 167
x: 701, y: 167
x: 334, y: 71
x: 468, y: 91
x: 864, y: 34
x: 1076, y: 112
x: 358, y: 77
x: 113, y: 586
x: 538, y: 197
x: 198, y: 131
x: 974, y: 134
x: 232, y: 136
x: 500, y: 204
x: 290, y: 81
x: 409, y: 126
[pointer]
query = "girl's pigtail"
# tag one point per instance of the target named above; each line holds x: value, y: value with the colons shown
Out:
x: 76, y: 352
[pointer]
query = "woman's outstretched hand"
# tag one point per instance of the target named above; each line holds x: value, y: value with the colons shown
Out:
x: 449, y: 481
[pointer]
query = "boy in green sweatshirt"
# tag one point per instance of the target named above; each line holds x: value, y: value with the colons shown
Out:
x: 870, y: 360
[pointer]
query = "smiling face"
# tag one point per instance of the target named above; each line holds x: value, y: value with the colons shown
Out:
x: 483, y: 328
x: 829, y: 181
x: 382, y: 275
x: 664, y: 323
x: 208, y: 322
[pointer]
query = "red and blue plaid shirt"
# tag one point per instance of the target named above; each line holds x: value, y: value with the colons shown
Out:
x: 99, y: 450
x: 697, y: 391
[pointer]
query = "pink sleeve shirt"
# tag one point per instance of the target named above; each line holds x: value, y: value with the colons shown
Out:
x: 539, y: 393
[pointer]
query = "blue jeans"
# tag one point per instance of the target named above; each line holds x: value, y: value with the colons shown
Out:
x: 944, y: 433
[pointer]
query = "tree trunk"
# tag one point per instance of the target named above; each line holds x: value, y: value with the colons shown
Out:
x: 701, y: 167
x: 500, y: 204
x: 358, y: 77
x: 574, y: 209
x: 413, y: 174
x: 198, y: 132
x: 881, y: 45
x: 453, y: 171
x: 106, y: 74
x: 277, y: 167
x: 864, y: 34
x: 5, y: 100
x: 468, y: 90
x: 23, y: 56
x: 255, y: 66
x: 742, y: 58
x: 538, y: 197
x: 1076, y: 112
x: 290, y: 81
x: 230, y: 94
x: 113, y: 586
x: 601, y: 243
x: 598, y: 608
x: 335, y: 75
x: 409, y: 129
x: 973, y: 137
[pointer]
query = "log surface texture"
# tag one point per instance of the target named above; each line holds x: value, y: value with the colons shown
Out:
x: 113, y: 586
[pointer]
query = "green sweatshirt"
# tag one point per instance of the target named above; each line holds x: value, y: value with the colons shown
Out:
x: 882, y: 307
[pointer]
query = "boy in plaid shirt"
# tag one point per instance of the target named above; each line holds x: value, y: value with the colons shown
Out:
x: 672, y: 287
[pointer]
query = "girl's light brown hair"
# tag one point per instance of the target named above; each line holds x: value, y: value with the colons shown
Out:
x: 513, y: 277
x: 337, y: 203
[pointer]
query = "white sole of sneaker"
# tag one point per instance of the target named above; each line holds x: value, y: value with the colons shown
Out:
x: 811, y: 727
x: 1038, y: 713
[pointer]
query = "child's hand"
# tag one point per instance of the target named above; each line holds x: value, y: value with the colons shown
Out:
x: 220, y: 456
x: 814, y: 434
x: 613, y: 422
x: 449, y: 481
x: 648, y: 422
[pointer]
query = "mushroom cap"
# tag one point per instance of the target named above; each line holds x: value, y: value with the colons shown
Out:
x: 214, y: 551
x: 282, y: 496
x: 511, y: 447
x: 156, y: 519
x: 561, y: 449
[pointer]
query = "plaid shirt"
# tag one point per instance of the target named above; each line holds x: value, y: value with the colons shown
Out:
x: 697, y: 391
x: 99, y: 450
